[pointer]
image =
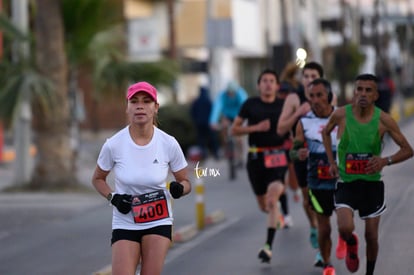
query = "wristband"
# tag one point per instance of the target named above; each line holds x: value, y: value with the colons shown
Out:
x: 389, y: 161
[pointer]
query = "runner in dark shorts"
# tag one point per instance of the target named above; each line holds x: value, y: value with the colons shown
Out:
x: 359, y: 164
x: 267, y: 159
x: 320, y: 183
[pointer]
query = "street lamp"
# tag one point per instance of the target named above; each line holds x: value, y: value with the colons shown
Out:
x: 301, y: 55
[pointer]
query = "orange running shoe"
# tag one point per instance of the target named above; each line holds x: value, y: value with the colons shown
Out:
x: 340, y: 249
x: 352, y: 260
x: 328, y: 270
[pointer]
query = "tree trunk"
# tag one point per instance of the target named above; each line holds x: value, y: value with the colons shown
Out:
x: 52, y: 136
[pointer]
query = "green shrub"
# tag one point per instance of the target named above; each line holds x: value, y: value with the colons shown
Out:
x: 175, y: 120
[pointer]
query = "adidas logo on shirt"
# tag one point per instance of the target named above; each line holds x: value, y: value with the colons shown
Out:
x: 155, y: 161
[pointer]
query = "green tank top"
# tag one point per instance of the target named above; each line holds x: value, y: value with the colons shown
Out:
x: 358, y: 143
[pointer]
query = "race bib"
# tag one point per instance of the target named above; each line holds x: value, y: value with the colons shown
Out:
x: 356, y: 163
x: 275, y: 159
x: 323, y: 172
x: 150, y: 207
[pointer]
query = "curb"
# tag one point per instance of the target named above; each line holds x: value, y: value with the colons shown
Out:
x: 188, y: 232
x: 184, y: 234
x: 215, y: 217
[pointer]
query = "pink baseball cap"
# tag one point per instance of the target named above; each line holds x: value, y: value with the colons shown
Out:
x: 142, y: 87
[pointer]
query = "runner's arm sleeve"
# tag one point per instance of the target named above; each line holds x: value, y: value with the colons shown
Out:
x: 293, y: 153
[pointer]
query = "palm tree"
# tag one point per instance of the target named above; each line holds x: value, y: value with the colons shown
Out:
x: 53, y: 168
x: 95, y: 42
x: 69, y: 35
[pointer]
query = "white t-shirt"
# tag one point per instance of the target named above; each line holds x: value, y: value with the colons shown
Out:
x: 141, y: 169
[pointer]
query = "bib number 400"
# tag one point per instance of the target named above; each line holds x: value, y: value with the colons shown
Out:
x: 149, y: 208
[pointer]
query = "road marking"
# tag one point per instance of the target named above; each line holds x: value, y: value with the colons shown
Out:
x: 203, y: 235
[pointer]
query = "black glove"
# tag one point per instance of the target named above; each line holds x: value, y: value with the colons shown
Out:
x: 176, y: 189
x: 122, y: 202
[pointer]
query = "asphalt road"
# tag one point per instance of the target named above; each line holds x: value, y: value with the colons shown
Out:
x: 69, y: 233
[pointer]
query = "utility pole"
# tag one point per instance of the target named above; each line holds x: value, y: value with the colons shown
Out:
x: 219, y: 41
x: 285, y: 33
x: 1, y: 122
x: 377, y: 37
x: 172, y: 52
x: 214, y: 63
x: 22, y: 130
x: 343, y: 56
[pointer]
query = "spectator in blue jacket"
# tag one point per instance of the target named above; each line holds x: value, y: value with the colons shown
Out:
x: 200, y: 111
x: 227, y: 104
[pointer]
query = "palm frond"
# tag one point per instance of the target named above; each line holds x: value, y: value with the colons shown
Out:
x: 19, y: 83
x: 10, y: 30
x: 9, y: 98
x: 82, y: 20
x: 112, y: 72
x: 115, y: 74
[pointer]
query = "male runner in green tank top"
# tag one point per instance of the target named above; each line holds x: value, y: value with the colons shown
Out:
x: 361, y: 127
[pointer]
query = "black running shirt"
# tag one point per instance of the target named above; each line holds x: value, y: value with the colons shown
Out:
x: 255, y: 110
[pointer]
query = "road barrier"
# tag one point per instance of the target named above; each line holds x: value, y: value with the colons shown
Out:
x: 199, y: 198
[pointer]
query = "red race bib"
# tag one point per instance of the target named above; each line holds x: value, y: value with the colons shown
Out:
x: 150, y: 207
x: 275, y: 159
x: 356, y: 163
x: 323, y: 172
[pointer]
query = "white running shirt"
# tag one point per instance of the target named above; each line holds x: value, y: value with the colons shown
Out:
x: 140, y: 169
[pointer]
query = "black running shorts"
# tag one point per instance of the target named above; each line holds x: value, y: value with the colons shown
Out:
x: 365, y: 196
x: 260, y: 176
x: 322, y: 201
x: 136, y: 235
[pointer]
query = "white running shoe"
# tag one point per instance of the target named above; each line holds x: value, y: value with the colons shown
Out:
x: 288, y: 221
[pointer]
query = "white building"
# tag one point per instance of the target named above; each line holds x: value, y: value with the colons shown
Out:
x: 222, y: 40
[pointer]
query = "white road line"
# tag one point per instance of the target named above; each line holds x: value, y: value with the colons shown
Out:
x: 203, y: 235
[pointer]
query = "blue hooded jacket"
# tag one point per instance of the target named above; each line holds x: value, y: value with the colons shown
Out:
x: 201, y: 108
x: 228, y: 105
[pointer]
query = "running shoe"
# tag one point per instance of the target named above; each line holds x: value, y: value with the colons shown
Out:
x: 352, y: 260
x: 288, y: 221
x: 313, y: 238
x: 318, y: 260
x: 340, y: 249
x: 328, y: 270
x: 265, y: 254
